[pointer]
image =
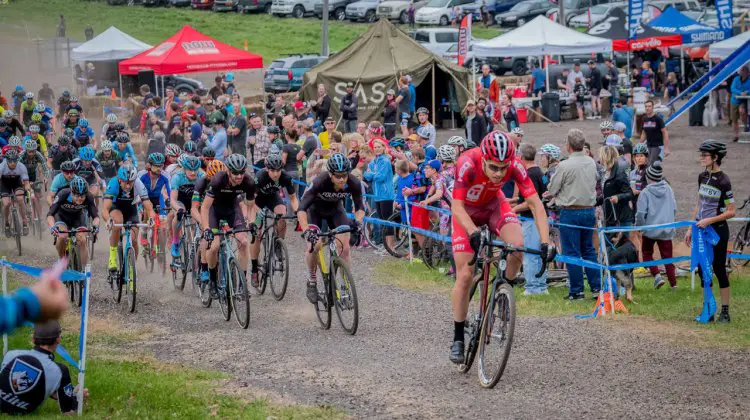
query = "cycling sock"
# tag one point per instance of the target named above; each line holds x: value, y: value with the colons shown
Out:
x: 213, y: 272
x: 724, y: 308
x: 204, y: 267
x: 458, y: 330
x: 313, y: 275
x: 254, y: 266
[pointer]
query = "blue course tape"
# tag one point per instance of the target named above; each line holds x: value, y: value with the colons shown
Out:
x: 439, y: 210
x: 67, y: 275
x: 65, y: 355
x: 649, y: 263
x: 733, y: 256
x: 683, y: 223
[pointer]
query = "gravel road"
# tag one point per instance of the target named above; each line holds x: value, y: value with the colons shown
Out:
x: 396, y: 366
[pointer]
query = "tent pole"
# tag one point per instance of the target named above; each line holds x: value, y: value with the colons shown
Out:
x: 121, y: 94
x: 682, y: 64
x: 546, y: 70
x: 433, y: 92
x: 474, y: 79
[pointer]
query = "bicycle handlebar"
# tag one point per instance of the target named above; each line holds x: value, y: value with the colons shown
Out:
x: 744, y: 204
x: 486, y: 240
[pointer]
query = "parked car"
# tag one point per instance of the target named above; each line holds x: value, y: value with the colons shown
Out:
x: 202, y: 4
x: 296, y: 8
x: 285, y: 74
x: 182, y: 84
x: 437, y: 40
x: 574, y: 8
x: 595, y: 15
x: 259, y: 6
x: 336, y: 9
x: 475, y: 8
x: 225, y: 5
x: 365, y: 10
x: 397, y: 9
x: 523, y: 12
x: 438, y: 12
x: 179, y: 3
x: 155, y: 3
x: 123, y: 2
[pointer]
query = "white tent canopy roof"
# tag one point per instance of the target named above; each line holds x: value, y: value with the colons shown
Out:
x: 541, y: 36
x: 112, y: 44
x: 724, y: 48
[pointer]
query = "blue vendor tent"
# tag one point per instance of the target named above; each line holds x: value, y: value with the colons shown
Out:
x: 693, y: 32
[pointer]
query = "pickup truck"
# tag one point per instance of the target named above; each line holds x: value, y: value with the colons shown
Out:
x: 398, y: 9
x: 296, y: 8
x: 365, y: 10
x: 336, y: 9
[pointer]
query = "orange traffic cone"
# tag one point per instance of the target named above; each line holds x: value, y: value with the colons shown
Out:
x: 603, y: 304
x: 114, y: 94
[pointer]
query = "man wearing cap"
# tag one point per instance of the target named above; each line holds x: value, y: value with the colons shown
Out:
x: 573, y: 75
x: 229, y: 88
x: 349, y: 109
x: 219, y: 141
x: 595, y: 85
x: 430, y: 152
x: 423, y: 117
x: 29, y: 377
x: 489, y: 81
x: 237, y: 134
x: 217, y: 90
x: 403, y: 102
x: 627, y: 145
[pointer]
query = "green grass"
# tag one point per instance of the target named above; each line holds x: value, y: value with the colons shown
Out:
x: 667, y: 314
x: 268, y: 36
x: 123, y: 385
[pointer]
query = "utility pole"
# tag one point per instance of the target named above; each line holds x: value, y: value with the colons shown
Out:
x: 561, y: 13
x: 324, y: 38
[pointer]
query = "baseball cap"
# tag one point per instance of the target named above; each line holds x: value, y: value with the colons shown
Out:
x: 413, y: 137
x: 349, y: 84
x: 435, y: 164
x: 620, y: 126
x: 591, y: 61
x: 47, y: 330
x: 614, y: 140
x: 299, y: 105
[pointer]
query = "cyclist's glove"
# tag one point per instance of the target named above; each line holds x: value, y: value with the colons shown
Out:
x: 167, y: 204
x: 475, y: 240
x: 311, y: 234
x: 54, y: 231
x: 208, y: 235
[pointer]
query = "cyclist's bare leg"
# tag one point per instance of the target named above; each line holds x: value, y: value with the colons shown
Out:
x: 22, y: 207
x: 94, y: 190
x: 311, y: 257
x: 512, y: 235
x: 460, y: 292
x: 344, y: 249
x: 114, y: 235
x: 62, y: 241
x: 281, y: 226
x: 83, y: 248
x: 134, y: 242
x: 212, y: 254
x: 6, y: 209
x: 242, y: 251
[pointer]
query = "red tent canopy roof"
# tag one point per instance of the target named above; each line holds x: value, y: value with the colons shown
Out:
x: 189, y: 51
x: 647, y: 43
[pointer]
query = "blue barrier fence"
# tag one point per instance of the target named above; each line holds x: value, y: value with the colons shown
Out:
x: 66, y: 277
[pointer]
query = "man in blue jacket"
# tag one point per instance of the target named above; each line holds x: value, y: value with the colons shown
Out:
x: 412, y: 96
x: 740, y: 86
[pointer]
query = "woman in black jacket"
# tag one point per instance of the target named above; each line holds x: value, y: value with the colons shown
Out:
x: 476, y: 124
x: 616, y: 191
x: 390, y: 114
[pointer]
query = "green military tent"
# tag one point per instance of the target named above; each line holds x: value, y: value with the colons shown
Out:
x: 375, y: 60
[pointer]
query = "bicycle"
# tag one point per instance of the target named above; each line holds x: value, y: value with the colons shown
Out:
x: 231, y: 284
x: 75, y: 288
x: 184, y: 262
x: 275, y: 257
x: 34, y: 210
x: 345, y: 291
x: 496, y: 298
x: 156, y: 243
x: 16, y: 225
x: 126, y: 276
x: 741, y: 242
x: 199, y: 287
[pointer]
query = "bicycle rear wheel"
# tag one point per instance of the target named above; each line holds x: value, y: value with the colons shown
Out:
x: 279, y: 269
x: 130, y: 281
x: 472, y: 325
x: 76, y: 287
x: 344, y: 296
x: 17, y: 228
x: 496, y: 337
x: 223, y: 286
x: 118, y: 282
x: 739, y: 245
x: 400, y: 238
x: 372, y: 232
x: 240, y: 295
x: 178, y: 279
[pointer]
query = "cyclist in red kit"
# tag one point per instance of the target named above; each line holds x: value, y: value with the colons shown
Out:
x: 478, y: 200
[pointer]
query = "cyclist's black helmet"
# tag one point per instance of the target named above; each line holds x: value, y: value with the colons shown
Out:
x: 68, y: 166
x: 236, y: 163
x: 273, y: 161
x: 339, y: 163
x: 714, y: 147
x: 208, y: 152
x: 63, y: 140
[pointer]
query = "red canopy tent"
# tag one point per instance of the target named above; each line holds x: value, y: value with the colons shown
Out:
x: 189, y: 51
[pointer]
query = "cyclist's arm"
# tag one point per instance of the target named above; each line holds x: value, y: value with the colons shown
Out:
x: 106, y: 206
x: 294, y: 202
x: 462, y: 217
x: 93, y: 211
x: 207, y: 203
x: 42, y: 144
x: 173, y: 196
x: 53, y: 209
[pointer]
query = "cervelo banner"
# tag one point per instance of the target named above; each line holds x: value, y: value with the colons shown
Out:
x: 464, y: 38
x: 635, y: 11
x: 724, y: 15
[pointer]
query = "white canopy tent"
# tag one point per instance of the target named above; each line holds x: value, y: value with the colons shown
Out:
x: 542, y: 37
x: 112, y: 44
x: 724, y: 48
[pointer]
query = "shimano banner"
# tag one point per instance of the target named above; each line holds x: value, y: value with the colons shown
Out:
x: 724, y: 15
x: 635, y: 11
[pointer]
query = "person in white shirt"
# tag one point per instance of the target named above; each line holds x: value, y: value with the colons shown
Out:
x: 573, y: 75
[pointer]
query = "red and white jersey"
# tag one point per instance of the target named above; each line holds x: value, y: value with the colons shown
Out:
x: 474, y: 187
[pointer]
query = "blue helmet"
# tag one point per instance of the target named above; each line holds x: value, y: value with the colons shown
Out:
x: 78, y: 185
x: 423, y: 132
x: 127, y: 173
x: 191, y: 163
x: 190, y: 147
x: 339, y: 163
x: 397, y: 142
x: 83, y: 123
x: 156, y: 159
x: 86, y: 153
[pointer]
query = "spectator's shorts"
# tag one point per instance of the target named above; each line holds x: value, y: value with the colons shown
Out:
x: 420, y: 217
x: 405, y: 117
x: 594, y: 92
x: 537, y: 91
x: 734, y: 113
x: 580, y: 105
x: 495, y: 214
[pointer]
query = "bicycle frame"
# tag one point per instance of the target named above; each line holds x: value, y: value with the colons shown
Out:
x: 126, y: 242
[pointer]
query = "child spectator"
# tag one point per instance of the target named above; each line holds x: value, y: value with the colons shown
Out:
x: 405, y: 180
x: 579, y: 90
x: 420, y: 217
x: 671, y: 89
x: 509, y: 113
x: 656, y: 205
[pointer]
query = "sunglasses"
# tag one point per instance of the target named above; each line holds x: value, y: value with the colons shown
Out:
x: 340, y: 176
x: 69, y: 172
x: 240, y: 173
x: 495, y: 168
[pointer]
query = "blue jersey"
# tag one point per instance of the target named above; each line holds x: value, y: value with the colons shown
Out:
x: 184, y: 186
x: 127, y: 154
x: 122, y: 198
x: 154, y: 190
x: 47, y: 114
x: 58, y: 183
x: 78, y: 132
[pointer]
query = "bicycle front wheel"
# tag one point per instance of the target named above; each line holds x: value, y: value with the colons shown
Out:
x: 17, y: 227
x: 76, y: 287
x: 323, y: 304
x: 344, y: 296
x: 240, y: 295
x: 472, y: 325
x: 161, y: 253
x: 178, y: 279
x: 130, y: 280
x: 279, y: 269
x: 223, y: 286
x: 117, y: 282
x: 496, y: 337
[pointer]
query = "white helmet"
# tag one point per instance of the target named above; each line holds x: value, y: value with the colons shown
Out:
x: 29, y: 95
x: 457, y: 141
x: 111, y: 118
x: 518, y: 131
x: 447, y: 153
x: 551, y: 150
x: 106, y: 145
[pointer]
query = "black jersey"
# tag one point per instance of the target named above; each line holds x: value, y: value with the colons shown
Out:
x: 323, y: 194
x: 266, y: 187
x: 59, y: 156
x: 225, y: 194
x: 199, y: 192
x: 714, y: 194
x: 64, y: 206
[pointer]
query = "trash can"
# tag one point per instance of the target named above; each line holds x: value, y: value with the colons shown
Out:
x: 551, y: 106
